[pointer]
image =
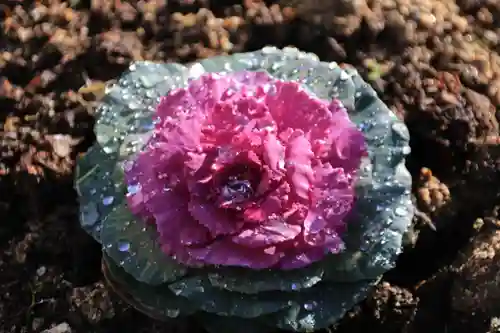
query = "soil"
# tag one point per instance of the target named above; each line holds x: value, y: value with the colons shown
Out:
x: 435, y: 63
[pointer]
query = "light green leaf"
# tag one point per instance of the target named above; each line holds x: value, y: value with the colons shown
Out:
x: 320, y: 306
x: 199, y: 291
x: 129, y: 106
x: 98, y: 192
x: 383, y: 210
x: 256, y: 281
x: 132, y: 244
x: 157, y: 301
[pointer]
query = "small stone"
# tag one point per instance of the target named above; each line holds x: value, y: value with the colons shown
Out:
x: 431, y: 194
x: 491, y: 37
x: 123, y: 246
x: 427, y: 20
x: 37, y: 323
x: 41, y: 270
x: 61, y: 328
x: 106, y: 201
x: 449, y: 98
x: 460, y: 22
x: 61, y: 144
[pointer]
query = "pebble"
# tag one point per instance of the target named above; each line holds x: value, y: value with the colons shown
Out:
x: 41, y: 270
x: 61, y: 145
x: 61, y: 328
x: 460, y: 23
x: 427, y: 20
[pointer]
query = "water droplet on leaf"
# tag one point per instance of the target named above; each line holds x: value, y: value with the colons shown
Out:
x: 89, y: 214
x: 133, y: 189
x: 400, y: 211
x: 123, y: 246
x: 106, y: 201
x: 309, y: 306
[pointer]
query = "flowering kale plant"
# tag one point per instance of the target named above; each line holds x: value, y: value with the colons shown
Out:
x: 257, y: 191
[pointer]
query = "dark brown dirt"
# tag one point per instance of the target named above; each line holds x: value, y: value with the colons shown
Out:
x: 435, y: 63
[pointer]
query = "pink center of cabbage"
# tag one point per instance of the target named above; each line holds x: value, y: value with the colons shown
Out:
x: 246, y: 170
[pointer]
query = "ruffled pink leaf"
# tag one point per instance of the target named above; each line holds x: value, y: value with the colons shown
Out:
x: 213, y: 219
x: 274, y: 153
x: 272, y: 232
x: 298, y: 165
x: 226, y: 253
x: 301, y: 258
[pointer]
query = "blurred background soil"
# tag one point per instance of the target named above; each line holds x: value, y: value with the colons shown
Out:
x: 436, y: 63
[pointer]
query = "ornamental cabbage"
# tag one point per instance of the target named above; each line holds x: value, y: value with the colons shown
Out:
x: 256, y: 191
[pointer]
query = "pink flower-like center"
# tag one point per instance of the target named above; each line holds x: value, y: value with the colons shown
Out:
x: 245, y: 170
x: 236, y: 185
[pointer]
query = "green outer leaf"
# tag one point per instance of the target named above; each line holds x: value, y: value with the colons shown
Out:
x: 149, y: 299
x: 129, y: 106
x: 383, y: 210
x: 133, y: 245
x: 199, y: 291
x: 95, y: 187
x: 256, y: 281
x: 320, y: 306
x: 123, y: 126
x: 325, y: 80
x: 310, y: 309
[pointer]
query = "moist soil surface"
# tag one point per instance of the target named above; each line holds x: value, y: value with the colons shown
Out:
x: 434, y: 62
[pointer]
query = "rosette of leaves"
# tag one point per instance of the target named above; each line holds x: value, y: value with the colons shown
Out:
x: 241, y: 299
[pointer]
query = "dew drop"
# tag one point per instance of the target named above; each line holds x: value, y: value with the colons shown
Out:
x: 89, y: 214
x: 108, y: 149
x: 133, y: 189
x: 134, y: 105
x: 401, y: 130
x: 148, y: 126
x: 344, y: 76
x: 123, y: 246
x: 400, y: 211
x: 365, y: 126
x: 150, y: 93
x: 365, y: 245
x: 127, y: 166
x: 309, y: 306
x: 172, y: 313
x: 106, y: 201
x: 271, y: 89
